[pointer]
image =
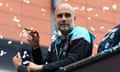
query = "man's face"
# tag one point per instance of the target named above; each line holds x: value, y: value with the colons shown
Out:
x: 64, y: 18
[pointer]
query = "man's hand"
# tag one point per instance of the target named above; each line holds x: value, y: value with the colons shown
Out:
x: 33, y: 38
x: 17, y: 60
x: 34, y: 67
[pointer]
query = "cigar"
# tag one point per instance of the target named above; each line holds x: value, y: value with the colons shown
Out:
x: 27, y: 29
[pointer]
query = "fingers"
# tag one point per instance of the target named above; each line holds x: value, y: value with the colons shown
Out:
x: 36, y: 34
x: 32, y: 66
x: 18, y: 55
x: 29, y: 67
x: 17, y: 60
x: 33, y: 37
x: 32, y: 33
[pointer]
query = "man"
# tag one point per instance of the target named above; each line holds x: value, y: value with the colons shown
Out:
x: 110, y: 40
x: 73, y: 44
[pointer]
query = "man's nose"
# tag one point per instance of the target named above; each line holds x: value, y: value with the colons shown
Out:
x: 63, y: 17
x: 63, y: 21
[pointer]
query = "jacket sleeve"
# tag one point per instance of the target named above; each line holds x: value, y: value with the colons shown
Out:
x: 78, y: 50
x: 37, y: 56
x: 22, y: 68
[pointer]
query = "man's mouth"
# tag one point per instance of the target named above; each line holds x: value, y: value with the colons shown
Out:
x: 64, y: 25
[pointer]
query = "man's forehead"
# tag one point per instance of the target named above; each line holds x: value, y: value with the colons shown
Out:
x: 64, y: 6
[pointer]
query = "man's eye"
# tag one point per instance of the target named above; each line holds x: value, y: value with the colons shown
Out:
x: 67, y: 15
x: 59, y: 16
